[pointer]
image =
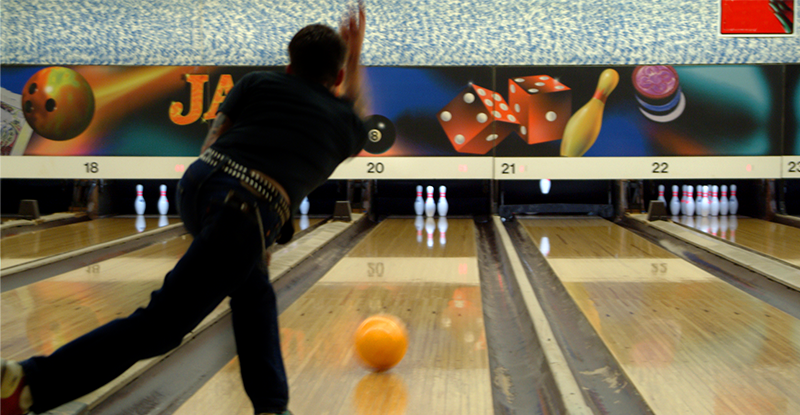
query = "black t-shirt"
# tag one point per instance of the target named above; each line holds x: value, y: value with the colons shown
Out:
x: 292, y: 130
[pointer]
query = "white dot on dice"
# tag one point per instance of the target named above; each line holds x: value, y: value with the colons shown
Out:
x: 446, y: 116
x: 488, y: 102
x: 482, y: 118
x: 459, y: 139
x: 491, y: 137
x: 512, y: 118
x: 550, y: 116
x: 503, y: 107
x: 523, y: 130
x: 469, y: 98
x: 533, y: 90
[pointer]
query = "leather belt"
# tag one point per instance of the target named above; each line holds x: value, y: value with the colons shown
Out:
x: 255, y: 181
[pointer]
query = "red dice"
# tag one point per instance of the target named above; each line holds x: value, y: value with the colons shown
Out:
x: 477, y: 120
x: 542, y: 106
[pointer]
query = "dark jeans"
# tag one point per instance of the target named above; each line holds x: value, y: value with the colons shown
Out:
x: 225, y: 259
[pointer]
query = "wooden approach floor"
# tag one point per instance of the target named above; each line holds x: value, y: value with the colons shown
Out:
x: 32, y: 246
x: 691, y: 343
x: 769, y: 238
x: 435, y: 290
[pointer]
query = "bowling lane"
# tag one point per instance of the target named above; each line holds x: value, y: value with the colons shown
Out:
x: 690, y: 343
x: 434, y: 289
x: 32, y: 246
x: 40, y: 317
x: 769, y: 238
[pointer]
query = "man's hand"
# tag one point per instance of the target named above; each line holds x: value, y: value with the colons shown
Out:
x: 352, y: 30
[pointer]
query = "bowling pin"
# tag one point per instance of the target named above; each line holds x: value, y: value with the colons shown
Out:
x: 163, y: 203
x: 714, y: 200
x: 733, y: 202
x: 442, y: 230
x: 419, y: 223
x: 163, y: 221
x: 675, y: 203
x: 139, y: 204
x: 419, y: 204
x: 583, y: 127
x: 140, y: 223
x: 430, y: 205
x: 723, y: 201
x: 430, y: 226
x: 661, y: 194
x: 304, y: 222
x: 305, y: 205
x: 544, y: 246
x: 690, y: 203
x: 442, y: 206
x: 683, y: 200
x: 544, y: 186
x: 706, y: 202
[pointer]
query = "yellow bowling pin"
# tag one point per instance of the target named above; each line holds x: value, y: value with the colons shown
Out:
x: 584, y: 126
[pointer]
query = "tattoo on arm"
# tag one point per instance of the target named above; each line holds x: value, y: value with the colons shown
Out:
x: 221, y: 124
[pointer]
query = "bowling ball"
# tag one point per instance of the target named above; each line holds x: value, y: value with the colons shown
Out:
x: 381, y: 341
x: 380, y: 134
x: 58, y: 103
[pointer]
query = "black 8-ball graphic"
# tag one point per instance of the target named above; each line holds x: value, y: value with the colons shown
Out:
x: 380, y: 134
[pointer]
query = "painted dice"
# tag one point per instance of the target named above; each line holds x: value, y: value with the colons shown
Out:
x: 542, y: 106
x: 477, y: 120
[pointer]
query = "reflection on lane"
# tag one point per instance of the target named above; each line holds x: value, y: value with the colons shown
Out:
x: 690, y: 342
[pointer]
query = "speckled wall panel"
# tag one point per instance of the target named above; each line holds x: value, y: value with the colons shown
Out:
x: 400, y: 32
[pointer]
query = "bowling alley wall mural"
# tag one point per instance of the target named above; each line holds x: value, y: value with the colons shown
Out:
x: 550, y: 111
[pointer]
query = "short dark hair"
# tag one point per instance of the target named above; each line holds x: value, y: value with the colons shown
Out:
x: 317, y: 53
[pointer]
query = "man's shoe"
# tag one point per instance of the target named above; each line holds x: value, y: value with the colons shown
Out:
x: 15, y: 393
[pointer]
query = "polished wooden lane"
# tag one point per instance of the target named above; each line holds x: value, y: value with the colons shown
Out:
x: 27, y: 247
x: 769, y: 238
x: 435, y: 290
x: 40, y: 317
x: 691, y: 343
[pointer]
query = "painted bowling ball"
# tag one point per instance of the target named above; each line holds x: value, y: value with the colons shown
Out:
x: 381, y: 341
x: 58, y: 103
x: 380, y: 134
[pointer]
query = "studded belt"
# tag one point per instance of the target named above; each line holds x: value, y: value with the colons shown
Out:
x: 253, y: 180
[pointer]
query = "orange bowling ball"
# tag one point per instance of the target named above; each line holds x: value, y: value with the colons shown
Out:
x: 381, y: 341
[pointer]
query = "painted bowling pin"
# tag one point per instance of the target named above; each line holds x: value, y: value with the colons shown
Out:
x: 661, y: 194
x: 714, y: 200
x: 430, y: 205
x: 442, y: 206
x: 583, y: 127
x: 690, y: 203
x: 163, y: 203
x: 544, y: 186
x: 138, y: 203
x: 675, y: 203
x: 683, y: 200
x: 706, y: 202
x: 419, y: 203
x: 723, y: 201
x: 733, y: 202
x: 305, y: 205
